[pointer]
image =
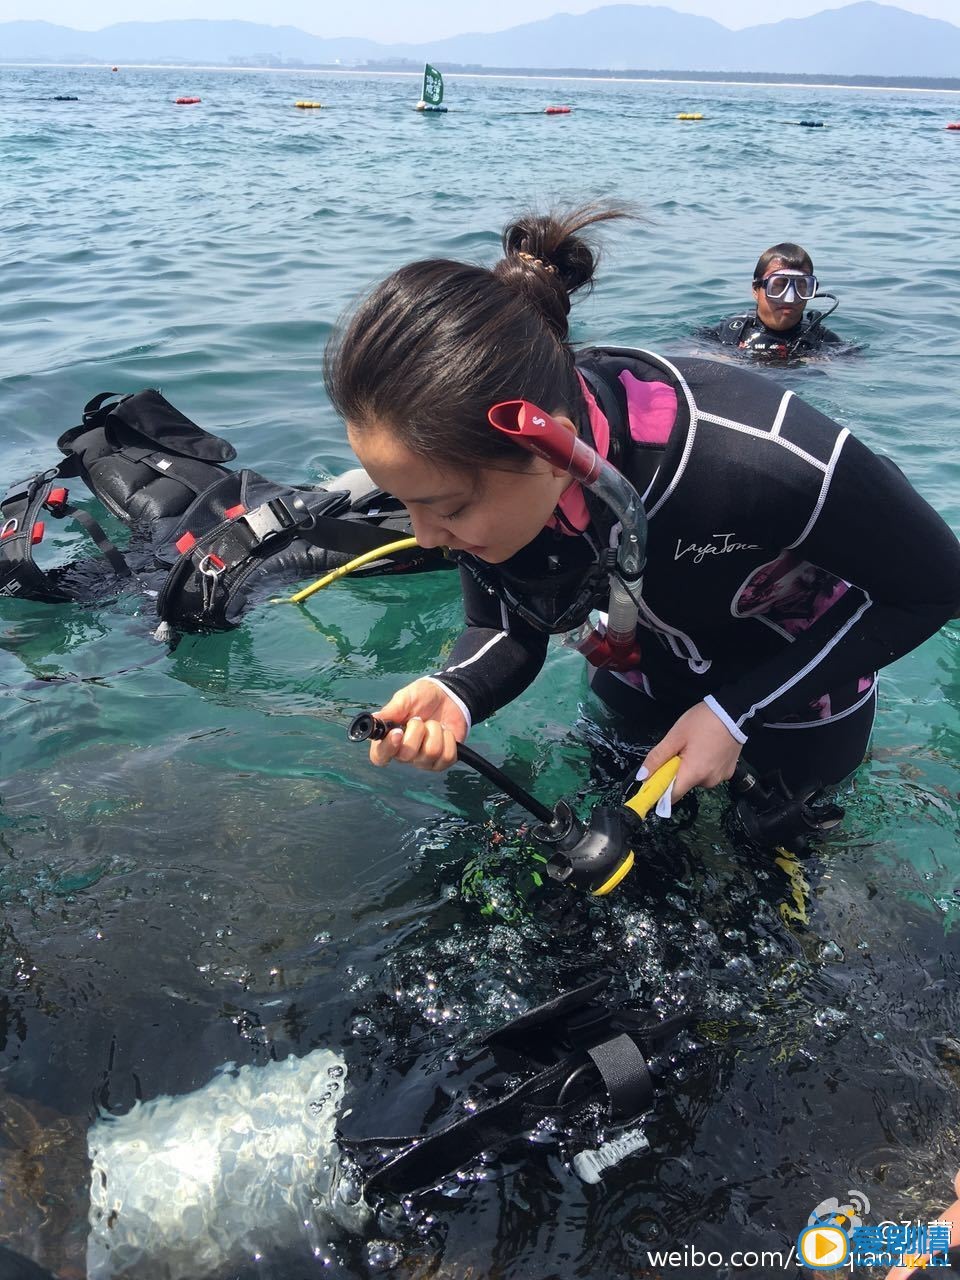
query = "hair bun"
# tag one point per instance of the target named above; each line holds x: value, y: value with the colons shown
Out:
x: 546, y: 258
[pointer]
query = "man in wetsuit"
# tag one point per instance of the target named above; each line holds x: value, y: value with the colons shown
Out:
x: 783, y: 284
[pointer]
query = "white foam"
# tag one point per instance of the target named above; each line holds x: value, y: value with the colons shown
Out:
x: 184, y: 1188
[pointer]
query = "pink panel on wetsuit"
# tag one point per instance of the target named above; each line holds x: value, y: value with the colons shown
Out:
x: 790, y: 592
x: 651, y: 411
x: 574, y: 509
x: 651, y: 408
x: 598, y: 422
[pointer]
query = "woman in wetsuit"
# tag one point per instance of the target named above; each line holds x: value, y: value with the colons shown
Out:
x: 779, y: 327
x: 785, y: 563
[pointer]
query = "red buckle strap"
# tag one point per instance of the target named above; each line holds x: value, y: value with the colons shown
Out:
x: 186, y: 542
x: 56, y: 500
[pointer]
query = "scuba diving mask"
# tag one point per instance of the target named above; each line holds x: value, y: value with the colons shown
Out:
x: 788, y: 286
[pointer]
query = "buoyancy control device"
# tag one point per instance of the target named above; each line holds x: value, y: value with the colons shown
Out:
x: 206, y: 540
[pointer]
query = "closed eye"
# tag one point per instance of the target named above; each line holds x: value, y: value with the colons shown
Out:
x: 454, y: 514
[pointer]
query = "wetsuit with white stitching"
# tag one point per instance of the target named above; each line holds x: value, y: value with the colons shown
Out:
x: 785, y: 563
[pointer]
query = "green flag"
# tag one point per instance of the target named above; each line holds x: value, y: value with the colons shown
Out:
x: 432, y: 86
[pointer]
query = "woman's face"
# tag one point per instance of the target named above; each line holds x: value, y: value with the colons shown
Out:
x: 489, y: 513
x: 777, y: 314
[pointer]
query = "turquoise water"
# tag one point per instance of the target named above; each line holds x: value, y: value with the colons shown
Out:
x: 196, y: 868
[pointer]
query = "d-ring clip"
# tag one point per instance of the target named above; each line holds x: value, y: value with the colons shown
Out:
x: 211, y: 565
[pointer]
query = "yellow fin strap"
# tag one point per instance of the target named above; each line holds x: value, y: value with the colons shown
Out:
x: 653, y: 788
x: 368, y: 557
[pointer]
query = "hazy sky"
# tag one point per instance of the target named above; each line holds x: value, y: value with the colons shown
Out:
x: 424, y: 19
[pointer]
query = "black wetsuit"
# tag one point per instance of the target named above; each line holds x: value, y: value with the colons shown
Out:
x: 786, y: 563
x: 747, y: 332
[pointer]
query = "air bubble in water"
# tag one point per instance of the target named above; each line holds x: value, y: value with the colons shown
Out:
x: 382, y: 1255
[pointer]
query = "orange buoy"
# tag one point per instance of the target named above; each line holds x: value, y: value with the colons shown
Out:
x: 185, y: 102
x: 304, y: 105
x: 557, y: 111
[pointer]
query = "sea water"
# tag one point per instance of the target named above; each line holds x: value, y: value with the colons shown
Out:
x: 195, y: 867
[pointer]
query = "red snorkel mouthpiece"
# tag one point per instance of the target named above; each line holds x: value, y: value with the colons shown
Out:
x: 533, y: 429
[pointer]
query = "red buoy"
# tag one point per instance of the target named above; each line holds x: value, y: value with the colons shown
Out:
x: 557, y: 111
x: 954, y: 126
x: 185, y: 102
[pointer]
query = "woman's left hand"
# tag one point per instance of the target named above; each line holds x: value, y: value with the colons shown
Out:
x: 708, y: 751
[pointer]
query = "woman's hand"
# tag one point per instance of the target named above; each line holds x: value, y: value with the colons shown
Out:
x: 708, y: 751
x: 433, y: 725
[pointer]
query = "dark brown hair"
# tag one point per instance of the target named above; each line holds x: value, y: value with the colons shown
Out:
x: 433, y: 346
x: 792, y: 256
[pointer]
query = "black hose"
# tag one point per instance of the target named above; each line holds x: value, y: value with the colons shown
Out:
x: 468, y: 756
x: 367, y: 726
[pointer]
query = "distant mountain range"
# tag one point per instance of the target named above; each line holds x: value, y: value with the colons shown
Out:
x: 861, y: 39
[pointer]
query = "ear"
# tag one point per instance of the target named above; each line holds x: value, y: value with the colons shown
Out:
x: 755, y: 290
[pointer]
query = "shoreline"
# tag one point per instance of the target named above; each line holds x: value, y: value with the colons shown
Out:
x: 479, y: 75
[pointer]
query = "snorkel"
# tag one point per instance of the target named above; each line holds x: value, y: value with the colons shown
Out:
x: 539, y: 433
x: 592, y: 856
x: 818, y: 319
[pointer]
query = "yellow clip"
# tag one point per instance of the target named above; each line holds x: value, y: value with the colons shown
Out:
x: 653, y: 788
